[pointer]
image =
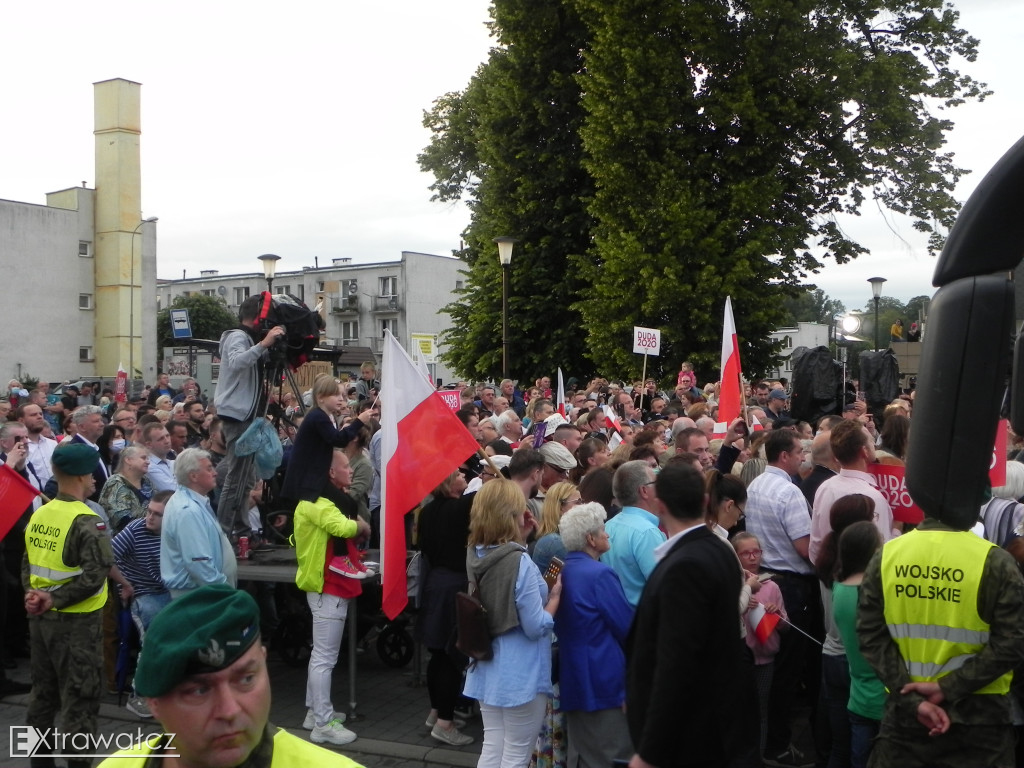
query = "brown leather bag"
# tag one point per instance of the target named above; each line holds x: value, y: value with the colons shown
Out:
x: 474, y: 638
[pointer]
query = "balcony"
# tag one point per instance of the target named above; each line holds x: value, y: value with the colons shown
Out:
x: 345, y: 305
x: 387, y: 304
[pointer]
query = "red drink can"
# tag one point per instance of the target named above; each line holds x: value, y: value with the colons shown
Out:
x: 243, y: 547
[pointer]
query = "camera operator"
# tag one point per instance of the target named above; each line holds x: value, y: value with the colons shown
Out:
x: 243, y: 352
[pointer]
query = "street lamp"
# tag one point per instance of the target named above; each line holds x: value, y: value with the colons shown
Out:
x: 131, y: 310
x: 269, y: 268
x: 505, y: 245
x: 876, y: 292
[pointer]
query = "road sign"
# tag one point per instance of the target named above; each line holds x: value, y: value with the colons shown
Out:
x: 181, y: 327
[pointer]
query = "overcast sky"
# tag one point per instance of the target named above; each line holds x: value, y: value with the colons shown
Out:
x: 294, y: 129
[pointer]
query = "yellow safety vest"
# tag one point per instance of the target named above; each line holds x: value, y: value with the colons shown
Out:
x: 930, y: 581
x: 289, y: 752
x: 45, y: 538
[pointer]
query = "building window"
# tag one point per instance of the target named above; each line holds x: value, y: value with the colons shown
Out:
x: 283, y: 289
x: 241, y: 294
x: 85, y: 354
x: 85, y: 249
x: 459, y: 285
x: 209, y: 292
x: 319, y: 286
x: 389, y: 324
x: 350, y: 332
x: 388, y: 286
x: 300, y: 292
x: 85, y: 301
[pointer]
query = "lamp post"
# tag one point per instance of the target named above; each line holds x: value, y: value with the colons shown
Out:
x: 505, y: 245
x: 131, y: 310
x: 269, y: 269
x: 876, y: 292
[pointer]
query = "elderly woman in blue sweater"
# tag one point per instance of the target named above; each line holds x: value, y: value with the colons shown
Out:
x: 513, y: 686
x: 592, y: 623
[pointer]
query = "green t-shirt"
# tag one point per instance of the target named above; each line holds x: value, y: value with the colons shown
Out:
x: 867, y: 694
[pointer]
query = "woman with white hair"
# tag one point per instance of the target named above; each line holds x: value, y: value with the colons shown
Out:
x: 592, y: 623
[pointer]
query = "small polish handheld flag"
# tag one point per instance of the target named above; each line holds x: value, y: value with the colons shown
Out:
x: 415, y: 421
x: 730, y: 398
x: 764, y: 623
x: 560, y: 397
x: 611, y: 421
x: 16, y: 493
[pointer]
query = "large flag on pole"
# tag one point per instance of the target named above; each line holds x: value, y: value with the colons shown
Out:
x: 560, y: 397
x: 730, y: 398
x: 423, y: 442
x: 16, y: 493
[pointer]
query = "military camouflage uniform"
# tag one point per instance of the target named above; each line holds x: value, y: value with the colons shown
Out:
x: 66, y: 648
x: 981, y: 732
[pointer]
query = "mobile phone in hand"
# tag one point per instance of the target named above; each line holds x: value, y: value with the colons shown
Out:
x: 554, y: 568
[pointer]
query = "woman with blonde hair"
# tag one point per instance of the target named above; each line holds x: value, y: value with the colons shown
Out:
x: 559, y: 499
x: 513, y: 686
x: 164, y: 403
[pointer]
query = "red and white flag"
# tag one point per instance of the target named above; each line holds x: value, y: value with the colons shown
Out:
x: 560, y: 397
x: 730, y: 397
x: 611, y: 422
x: 764, y: 623
x: 423, y: 442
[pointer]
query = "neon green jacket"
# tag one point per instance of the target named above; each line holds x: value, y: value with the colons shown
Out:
x: 315, y: 523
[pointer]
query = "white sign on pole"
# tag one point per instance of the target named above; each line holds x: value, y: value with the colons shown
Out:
x: 646, y: 341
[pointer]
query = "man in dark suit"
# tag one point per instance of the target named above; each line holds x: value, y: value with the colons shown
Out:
x: 88, y: 420
x: 689, y: 682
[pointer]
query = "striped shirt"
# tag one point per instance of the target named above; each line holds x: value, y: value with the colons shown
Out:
x: 137, y: 554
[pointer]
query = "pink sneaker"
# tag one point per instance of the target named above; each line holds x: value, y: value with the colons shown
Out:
x: 343, y: 566
x: 359, y: 566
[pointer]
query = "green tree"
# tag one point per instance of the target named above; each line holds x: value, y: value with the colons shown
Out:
x: 509, y: 144
x: 209, y: 316
x: 812, y: 305
x: 717, y: 143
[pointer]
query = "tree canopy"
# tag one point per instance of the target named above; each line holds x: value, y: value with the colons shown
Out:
x: 652, y: 163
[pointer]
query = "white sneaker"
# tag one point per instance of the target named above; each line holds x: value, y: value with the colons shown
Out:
x: 452, y: 736
x: 310, y: 722
x: 137, y: 706
x: 332, y: 733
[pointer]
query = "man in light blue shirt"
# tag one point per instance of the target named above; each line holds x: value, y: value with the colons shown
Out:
x: 634, y: 531
x: 161, y: 469
x: 193, y: 549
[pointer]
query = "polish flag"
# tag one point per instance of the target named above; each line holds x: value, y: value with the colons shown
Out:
x: 423, y: 443
x: 730, y: 398
x: 560, y: 397
x: 16, y: 493
x: 611, y: 421
x: 764, y: 623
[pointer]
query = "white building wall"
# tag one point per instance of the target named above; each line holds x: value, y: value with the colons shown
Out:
x: 43, y: 325
x: 808, y: 335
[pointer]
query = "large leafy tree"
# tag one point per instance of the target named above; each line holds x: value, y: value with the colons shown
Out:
x: 812, y: 305
x: 720, y: 141
x: 209, y: 316
x: 509, y: 143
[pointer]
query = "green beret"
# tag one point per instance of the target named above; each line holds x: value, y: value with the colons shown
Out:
x: 75, y: 459
x: 204, y: 630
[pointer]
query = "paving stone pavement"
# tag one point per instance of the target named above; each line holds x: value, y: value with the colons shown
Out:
x: 390, y: 707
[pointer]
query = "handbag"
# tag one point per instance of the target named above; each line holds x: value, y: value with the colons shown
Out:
x: 474, y: 637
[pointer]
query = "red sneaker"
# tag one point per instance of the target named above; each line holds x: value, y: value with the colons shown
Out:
x: 345, y: 567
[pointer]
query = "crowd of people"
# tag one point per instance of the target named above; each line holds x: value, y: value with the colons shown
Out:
x: 660, y: 588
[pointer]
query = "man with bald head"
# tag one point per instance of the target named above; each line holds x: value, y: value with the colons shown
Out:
x: 823, y: 463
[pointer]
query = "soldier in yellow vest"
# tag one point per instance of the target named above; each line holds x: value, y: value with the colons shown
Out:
x: 203, y: 672
x: 64, y: 572
x: 941, y: 620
